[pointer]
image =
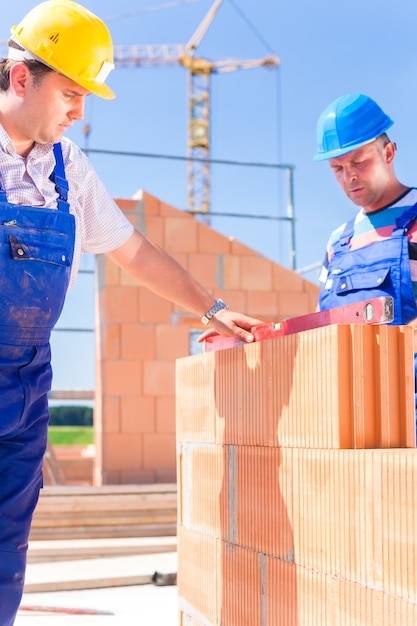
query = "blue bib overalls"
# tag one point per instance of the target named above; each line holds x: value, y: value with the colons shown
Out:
x: 36, y: 252
x: 379, y: 269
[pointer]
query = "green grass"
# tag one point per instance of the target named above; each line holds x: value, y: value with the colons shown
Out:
x: 71, y: 435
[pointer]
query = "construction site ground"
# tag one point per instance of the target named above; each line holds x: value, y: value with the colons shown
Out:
x: 99, y: 582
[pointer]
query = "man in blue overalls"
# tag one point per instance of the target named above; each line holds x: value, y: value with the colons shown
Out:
x: 375, y: 253
x: 53, y: 206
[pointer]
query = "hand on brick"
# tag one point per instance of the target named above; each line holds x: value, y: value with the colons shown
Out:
x: 231, y: 324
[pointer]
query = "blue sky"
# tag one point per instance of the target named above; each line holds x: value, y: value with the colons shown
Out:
x: 326, y: 49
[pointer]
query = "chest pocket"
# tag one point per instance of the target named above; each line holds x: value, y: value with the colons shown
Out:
x: 23, y: 249
x: 363, y: 280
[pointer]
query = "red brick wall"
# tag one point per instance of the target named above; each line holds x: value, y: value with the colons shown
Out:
x: 140, y: 336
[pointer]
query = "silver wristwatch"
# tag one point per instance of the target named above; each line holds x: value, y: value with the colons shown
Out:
x: 214, y: 309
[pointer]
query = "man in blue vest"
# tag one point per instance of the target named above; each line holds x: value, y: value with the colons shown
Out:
x: 375, y: 253
x: 53, y: 207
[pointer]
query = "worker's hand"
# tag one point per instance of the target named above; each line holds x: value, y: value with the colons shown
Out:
x: 230, y: 324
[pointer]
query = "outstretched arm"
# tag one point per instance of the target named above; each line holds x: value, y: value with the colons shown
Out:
x: 157, y: 270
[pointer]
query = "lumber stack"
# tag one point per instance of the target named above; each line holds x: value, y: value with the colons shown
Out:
x: 88, y: 512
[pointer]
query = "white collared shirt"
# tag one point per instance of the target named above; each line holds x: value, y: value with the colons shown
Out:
x: 100, y: 224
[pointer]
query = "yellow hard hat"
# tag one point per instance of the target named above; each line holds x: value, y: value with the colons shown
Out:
x: 71, y: 40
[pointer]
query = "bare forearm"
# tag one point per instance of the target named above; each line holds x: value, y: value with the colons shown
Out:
x: 153, y: 267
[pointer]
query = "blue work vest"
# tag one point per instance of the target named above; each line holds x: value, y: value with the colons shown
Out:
x: 378, y: 269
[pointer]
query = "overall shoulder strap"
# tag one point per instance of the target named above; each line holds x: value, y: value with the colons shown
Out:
x: 407, y: 218
x: 346, y: 235
x: 58, y: 177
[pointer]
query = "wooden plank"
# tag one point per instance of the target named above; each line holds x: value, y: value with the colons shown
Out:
x: 108, y: 489
x: 73, y: 550
x: 113, y: 520
x: 100, y: 532
x: 105, y: 504
x: 109, y: 511
x: 72, y: 394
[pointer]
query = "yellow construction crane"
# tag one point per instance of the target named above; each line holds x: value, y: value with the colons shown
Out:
x: 199, y: 73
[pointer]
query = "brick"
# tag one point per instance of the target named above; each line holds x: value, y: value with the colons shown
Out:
x: 396, y: 384
x: 208, y: 506
x: 241, y: 401
x: 152, y: 204
x: 206, y: 268
x: 262, y: 304
x: 151, y: 308
x: 240, y: 249
x: 155, y: 230
x: 290, y: 301
x: 281, y: 593
x: 137, y: 341
x: 158, y: 451
x: 165, y: 414
x: 285, y: 280
x: 137, y: 476
x: 165, y: 475
x: 126, y: 204
x: 110, y: 415
x: 158, y: 378
x: 107, y: 272
x: 241, y: 586
x: 119, y: 304
x: 110, y: 343
x: 172, y: 341
x: 212, y: 242
x: 256, y: 273
x: 312, y: 289
x: 122, y: 451
x: 169, y: 211
x: 195, y: 398
x: 122, y: 378
x: 181, y: 234
x: 231, y: 273
x: 261, y: 513
x: 199, y: 575
x: 137, y: 414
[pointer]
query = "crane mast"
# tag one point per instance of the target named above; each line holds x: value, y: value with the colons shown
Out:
x: 199, y: 111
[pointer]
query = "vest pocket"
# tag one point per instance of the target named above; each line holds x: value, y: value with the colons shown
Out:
x: 358, y: 280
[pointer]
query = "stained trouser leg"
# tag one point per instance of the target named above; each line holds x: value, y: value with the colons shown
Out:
x: 23, y: 437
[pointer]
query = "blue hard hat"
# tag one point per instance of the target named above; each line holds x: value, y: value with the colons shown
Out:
x: 349, y: 123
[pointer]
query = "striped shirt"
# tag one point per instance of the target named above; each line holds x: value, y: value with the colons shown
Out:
x: 372, y: 227
x: 100, y: 225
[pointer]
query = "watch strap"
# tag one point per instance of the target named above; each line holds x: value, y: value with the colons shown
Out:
x: 218, y: 306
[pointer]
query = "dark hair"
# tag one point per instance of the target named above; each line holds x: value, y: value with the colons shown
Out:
x: 36, y: 68
x: 383, y: 139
